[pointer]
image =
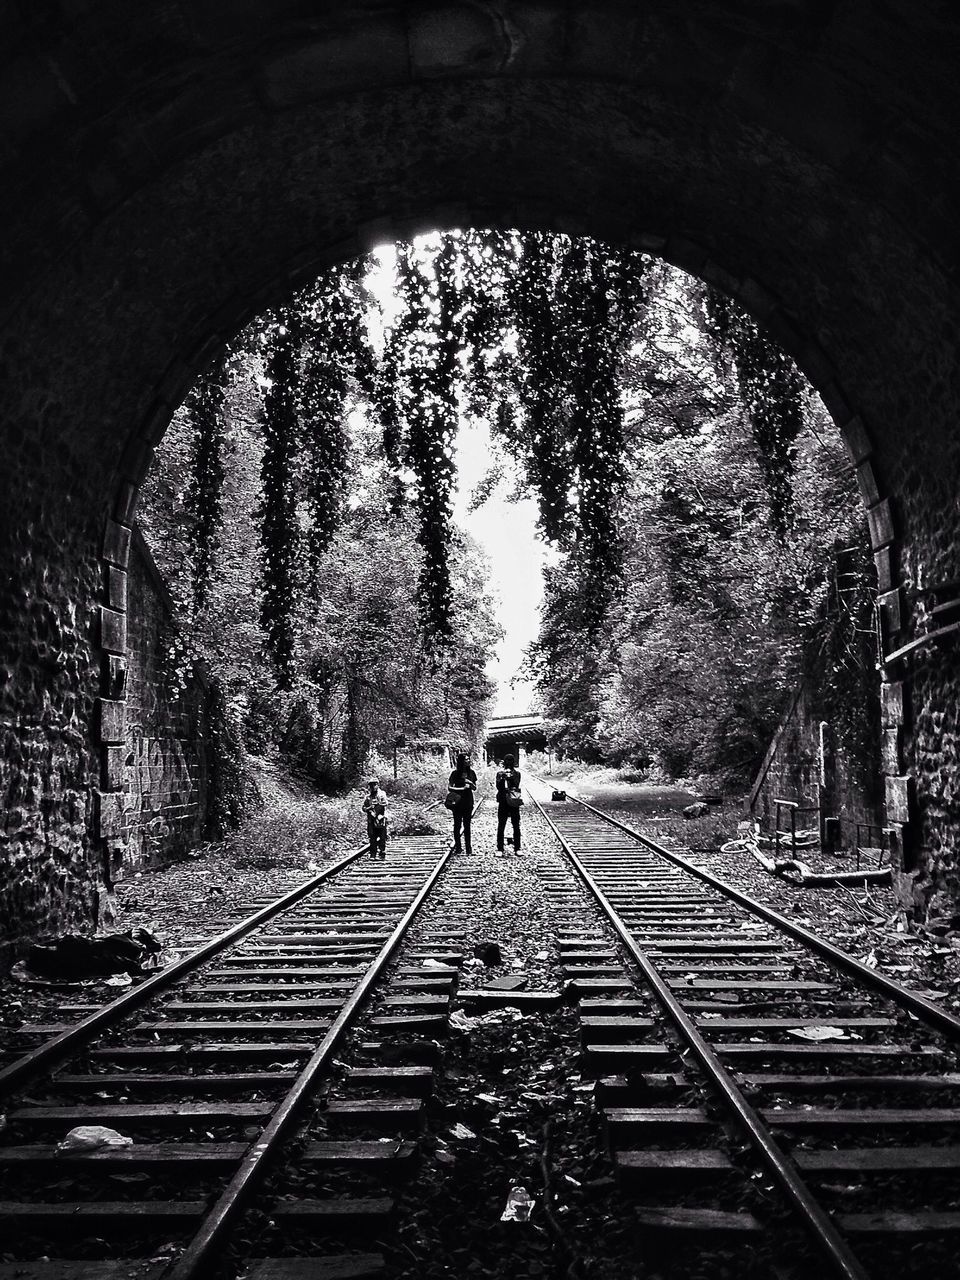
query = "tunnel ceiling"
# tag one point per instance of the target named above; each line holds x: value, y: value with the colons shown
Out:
x: 171, y: 168
x: 167, y: 170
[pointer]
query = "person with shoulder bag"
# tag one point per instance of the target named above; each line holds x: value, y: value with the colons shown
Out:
x: 509, y: 800
x: 462, y: 785
x: 375, y: 807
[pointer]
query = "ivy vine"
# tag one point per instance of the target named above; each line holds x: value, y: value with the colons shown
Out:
x: 771, y: 388
x: 279, y: 530
x: 529, y: 332
x: 204, y: 494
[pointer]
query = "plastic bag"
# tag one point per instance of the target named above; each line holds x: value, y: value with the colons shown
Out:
x: 519, y: 1206
x: 91, y: 1137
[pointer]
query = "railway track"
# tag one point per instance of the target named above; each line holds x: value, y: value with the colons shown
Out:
x: 826, y: 1087
x: 767, y: 1113
x: 213, y: 1068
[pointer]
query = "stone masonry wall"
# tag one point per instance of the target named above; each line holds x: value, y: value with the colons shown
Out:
x: 165, y: 766
x: 833, y: 787
x: 162, y: 185
x: 50, y: 869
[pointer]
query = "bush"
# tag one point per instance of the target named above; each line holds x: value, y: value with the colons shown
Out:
x: 289, y: 836
x: 421, y: 785
x: 414, y: 824
x: 629, y: 774
x: 418, y: 790
x: 540, y: 762
x: 230, y: 793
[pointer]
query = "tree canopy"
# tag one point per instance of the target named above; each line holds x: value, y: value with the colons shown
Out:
x: 690, y: 483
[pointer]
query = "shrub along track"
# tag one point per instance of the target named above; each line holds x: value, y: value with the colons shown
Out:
x: 837, y: 1088
x: 210, y: 1066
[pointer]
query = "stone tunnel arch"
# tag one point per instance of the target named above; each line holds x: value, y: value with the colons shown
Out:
x: 774, y: 153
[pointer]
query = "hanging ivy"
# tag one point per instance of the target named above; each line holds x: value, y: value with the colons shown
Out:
x: 575, y: 305
x: 279, y: 531
x: 204, y: 495
x: 335, y: 355
x: 528, y: 332
x: 226, y: 792
x: 431, y: 412
x: 771, y: 388
x: 317, y: 354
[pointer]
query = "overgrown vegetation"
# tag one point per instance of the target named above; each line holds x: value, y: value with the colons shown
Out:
x: 690, y: 484
x: 745, y: 557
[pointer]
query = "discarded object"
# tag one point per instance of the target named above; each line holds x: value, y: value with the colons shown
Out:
x: 822, y: 1031
x: 75, y: 956
x: 799, y: 873
x: 509, y: 983
x: 430, y: 963
x: 696, y: 810
x: 559, y: 795
x: 91, y: 1137
x: 489, y: 953
x: 118, y: 980
x: 461, y: 1132
x: 519, y: 1206
x: 461, y: 1021
x: 498, y: 1016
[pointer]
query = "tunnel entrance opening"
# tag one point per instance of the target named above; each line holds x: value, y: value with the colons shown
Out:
x: 769, y: 155
x: 666, y: 292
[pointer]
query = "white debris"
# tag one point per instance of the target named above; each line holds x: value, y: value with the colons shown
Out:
x: 91, y: 1137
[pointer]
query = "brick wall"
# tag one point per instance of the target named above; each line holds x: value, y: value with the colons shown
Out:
x: 164, y: 774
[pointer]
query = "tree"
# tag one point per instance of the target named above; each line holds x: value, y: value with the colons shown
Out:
x: 728, y: 561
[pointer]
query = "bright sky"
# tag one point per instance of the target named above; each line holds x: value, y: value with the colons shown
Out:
x: 505, y: 530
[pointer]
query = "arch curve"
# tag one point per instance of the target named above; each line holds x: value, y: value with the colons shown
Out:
x: 168, y: 173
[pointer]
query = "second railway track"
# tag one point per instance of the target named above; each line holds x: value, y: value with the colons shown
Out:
x: 840, y: 1087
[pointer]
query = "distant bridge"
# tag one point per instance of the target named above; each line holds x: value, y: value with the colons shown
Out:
x: 513, y: 735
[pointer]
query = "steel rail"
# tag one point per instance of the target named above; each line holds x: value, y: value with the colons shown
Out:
x: 197, y: 1259
x: 61, y: 1046
x: 918, y: 1005
x: 843, y: 1262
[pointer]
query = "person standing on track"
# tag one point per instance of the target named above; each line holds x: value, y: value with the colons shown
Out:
x: 463, y: 781
x: 375, y: 807
x: 509, y: 801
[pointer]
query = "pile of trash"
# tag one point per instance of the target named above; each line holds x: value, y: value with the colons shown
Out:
x: 75, y: 957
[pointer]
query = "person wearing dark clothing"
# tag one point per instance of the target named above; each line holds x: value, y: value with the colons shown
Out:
x: 375, y: 807
x: 508, y: 781
x: 462, y: 780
